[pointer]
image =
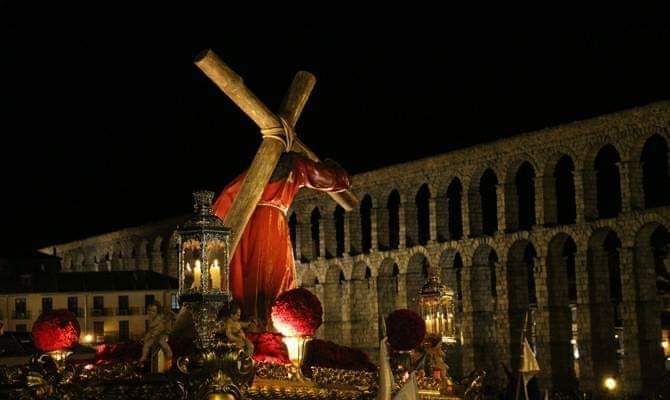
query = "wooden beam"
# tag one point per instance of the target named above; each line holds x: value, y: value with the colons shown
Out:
x: 297, y: 96
x: 233, y: 86
x: 290, y: 110
x: 265, y: 160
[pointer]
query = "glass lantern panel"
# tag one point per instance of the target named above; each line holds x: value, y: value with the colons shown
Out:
x: 192, y: 264
x: 218, y: 270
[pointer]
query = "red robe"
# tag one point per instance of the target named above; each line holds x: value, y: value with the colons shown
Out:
x: 262, y: 266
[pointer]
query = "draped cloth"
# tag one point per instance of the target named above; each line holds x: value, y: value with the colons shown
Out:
x: 262, y: 266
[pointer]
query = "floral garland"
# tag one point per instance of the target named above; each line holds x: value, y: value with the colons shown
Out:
x: 56, y: 330
x: 297, y: 312
x: 405, y: 329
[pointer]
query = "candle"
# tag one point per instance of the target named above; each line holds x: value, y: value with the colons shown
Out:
x: 196, y: 275
x: 188, y: 274
x: 215, y: 273
x: 429, y: 324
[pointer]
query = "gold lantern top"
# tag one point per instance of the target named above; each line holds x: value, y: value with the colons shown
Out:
x: 437, y: 308
x: 203, y: 252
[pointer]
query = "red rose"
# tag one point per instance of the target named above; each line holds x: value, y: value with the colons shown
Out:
x: 56, y: 330
x: 405, y: 329
x: 297, y: 312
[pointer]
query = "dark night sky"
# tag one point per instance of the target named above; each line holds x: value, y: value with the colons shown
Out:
x: 106, y: 122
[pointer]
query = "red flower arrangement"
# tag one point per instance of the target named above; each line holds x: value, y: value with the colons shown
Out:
x: 326, y: 354
x: 297, y: 312
x: 405, y: 329
x: 269, y: 347
x: 56, y: 330
x: 118, y: 352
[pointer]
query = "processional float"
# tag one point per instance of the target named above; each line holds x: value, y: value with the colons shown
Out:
x: 218, y: 369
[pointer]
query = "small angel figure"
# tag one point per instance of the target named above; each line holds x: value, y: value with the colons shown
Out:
x: 233, y: 328
x: 435, y: 354
x: 157, y: 333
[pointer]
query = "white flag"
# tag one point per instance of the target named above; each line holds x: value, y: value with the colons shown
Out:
x: 529, y: 366
x: 409, y: 391
x: 385, y: 374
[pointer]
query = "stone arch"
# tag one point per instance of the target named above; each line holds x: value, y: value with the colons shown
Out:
x: 451, y: 267
x: 360, y: 271
x: 486, y: 257
x: 117, y: 257
x: 315, y: 225
x: 418, y: 269
x: 482, y: 291
x: 651, y: 261
x: 363, y: 311
x: 454, y: 208
x: 130, y: 258
x: 451, y: 270
x: 171, y: 256
x: 366, y: 223
x: 602, y: 183
x: 560, y: 207
x: 157, y: 243
x: 522, y: 297
x: 354, y: 221
x: 93, y: 260
x: 654, y: 165
x: 127, y: 255
x: 332, y: 310
x: 483, y: 203
x: 67, y: 262
x: 393, y: 205
x: 338, y: 217
x: 78, y: 262
x: 520, y: 196
x: 387, y: 287
x: 293, y: 233
x: 142, y: 255
x: 308, y: 280
x: 142, y: 247
x: 109, y: 256
x: 157, y: 254
x: 562, y: 298
x: 422, y: 202
x: 161, y: 259
x: 604, y: 287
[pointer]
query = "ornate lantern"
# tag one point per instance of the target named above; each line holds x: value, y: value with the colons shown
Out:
x: 438, y: 309
x: 216, y: 370
x: 203, y: 267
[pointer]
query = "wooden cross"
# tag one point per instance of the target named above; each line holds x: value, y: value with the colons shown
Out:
x: 270, y: 150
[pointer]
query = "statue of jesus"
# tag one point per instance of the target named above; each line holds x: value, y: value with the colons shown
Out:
x: 262, y: 266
